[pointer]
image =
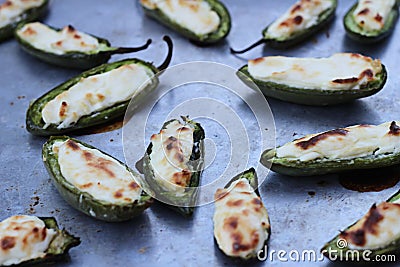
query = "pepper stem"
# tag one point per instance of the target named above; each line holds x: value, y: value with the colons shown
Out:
x: 167, y: 60
x: 125, y: 50
x: 259, y: 42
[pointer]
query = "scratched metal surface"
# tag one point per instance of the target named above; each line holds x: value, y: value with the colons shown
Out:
x: 160, y: 237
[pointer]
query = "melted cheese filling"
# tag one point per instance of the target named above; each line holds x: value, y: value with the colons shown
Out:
x: 240, y: 220
x: 11, y: 10
x: 302, y: 15
x: 340, y: 71
x: 371, y: 15
x: 23, y: 238
x: 60, y: 42
x: 171, y: 152
x: 95, y: 93
x: 194, y: 15
x: 347, y: 143
x: 93, y: 172
x: 377, y: 229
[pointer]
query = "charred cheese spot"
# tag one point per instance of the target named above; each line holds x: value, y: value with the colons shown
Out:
x: 23, y: 238
x: 372, y: 15
x: 239, y: 228
x: 93, y: 172
x: 11, y: 11
x: 302, y: 15
x: 394, y: 129
x: 315, y: 139
x: 342, y: 71
x: 347, y: 143
x: 171, y: 152
x: 7, y: 242
x: 195, y: 15
x: 378, y: 228
x: 63, y: 109
x: 96, y: 93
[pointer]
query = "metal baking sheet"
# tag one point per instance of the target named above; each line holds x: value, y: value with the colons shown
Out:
x: 161, y: 237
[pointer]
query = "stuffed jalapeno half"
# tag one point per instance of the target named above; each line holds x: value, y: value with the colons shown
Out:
x: 377, y: 233
x: 30, y: 240
x: 202, y: 21
x: 370, y: 21
x: 303, y: 19
x: 241, y: 223
x: 67, y: 47
x: 13, y: 12
x: 337, y: 79
x: 173, y: 164
x: 344, y: 149
x: 92, y: 181
x: 95, y: 97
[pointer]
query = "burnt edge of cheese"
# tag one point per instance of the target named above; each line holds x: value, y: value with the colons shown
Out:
x: 369, y: 226
x: 315, y: 139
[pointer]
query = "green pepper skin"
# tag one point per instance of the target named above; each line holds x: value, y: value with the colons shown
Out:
x: 324, y: 166
x: 29, y: 15
x: 186, y: 201
x: 74, y: 59
x: 357, y: 34
x: 206, y: 39
x: 251, y: 176
x: 35, y: 123
x: 392, y: 249
x: 313, y: 97
x: 285, y: 42
x: 83, y: 201
x: 58, y: 247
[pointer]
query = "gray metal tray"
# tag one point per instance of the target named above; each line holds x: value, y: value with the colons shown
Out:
x: 160, y: 237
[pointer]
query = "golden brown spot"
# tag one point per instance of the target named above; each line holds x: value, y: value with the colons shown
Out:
x: 296, y: 8
x: 378, y: 18
x: 221, y: 193
x: 87, y: 155
x: 73, y: 145
x: 394, y: 129
x: 179, y: 156
x: 235, y: 203
x: 101, y: 97
x: 246, y: 212
x: 367, y: 73
x: 241, y: 184
x: 298, y: 20
x: 365, y: 11
x: 63, y: 109
x: 77, y: 36
x: 59, y: 43
x: 8, y: 242
x: 35, y: 230
x: 231, y: 223
x: 257, y: 60
x: 102, y: 164
x: 133, y: 185
x: 355, y: 55
x: 87, y: 185
x: 118, y: 194
x: 314, y: 140
x: 181, y: 178
x: 29, y: 31
x: 256, y: 201
x: 238, y: 244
